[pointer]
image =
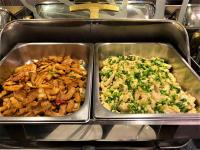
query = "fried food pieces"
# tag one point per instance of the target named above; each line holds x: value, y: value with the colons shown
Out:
x: 51, y: 86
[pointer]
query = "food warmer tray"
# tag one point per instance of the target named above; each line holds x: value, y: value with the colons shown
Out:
x: 185, y: 76
x: 25, y: 53
x: 100, y: 31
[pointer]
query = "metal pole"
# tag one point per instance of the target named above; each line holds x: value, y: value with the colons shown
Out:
x: 160, y: 9
x: 183, y: 11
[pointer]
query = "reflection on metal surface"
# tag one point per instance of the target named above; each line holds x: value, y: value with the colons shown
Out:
x: 28, y: 17
x: 195, y: 47
x: 183, y: 10
x: 96, y: 132
x: 76, y: 133
x: 94, y: 8
x: 21, y: 54
x: 13, y: 9
x: 107, y: 30
x: 131, y: 133
x: 30, y: 7
x: 195, y: 66
x: 160, y: 9
x: 5, y: 17
x: 192, y: 17
x: 61, y: 9
x: 185, y: 76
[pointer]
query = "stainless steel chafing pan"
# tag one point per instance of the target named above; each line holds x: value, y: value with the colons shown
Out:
x: 185, y: 76
x: 24, y: 53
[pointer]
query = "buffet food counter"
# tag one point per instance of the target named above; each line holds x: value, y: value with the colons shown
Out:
x: 133, y: 31
x: 91, y: 41
x: 100, y: 83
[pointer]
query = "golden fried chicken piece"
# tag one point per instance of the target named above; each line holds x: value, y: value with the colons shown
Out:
x: 13, y: 87
x: 51, y: 86
x: 15, y: 103
x: 62, y: 110
x: 26, y: 68
x: 32, y: 95
x: 3, y: 93
x: 70, y: 106
x: 20, y: 95
x: 70, y: 93
x: 77, y: 97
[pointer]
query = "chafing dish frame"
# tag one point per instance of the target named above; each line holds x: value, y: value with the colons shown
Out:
x: 99, y: 31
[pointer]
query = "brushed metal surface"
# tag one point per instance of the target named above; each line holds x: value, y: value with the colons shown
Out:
x: 93, y: 31
x: 26, y: 31
x: 164, y: 31
x: 192, y: 16
x: 160, y: 9
x: 138, y: 10
x: 185, y: 76
x: 60, y: 9
x: 189, y: 15
x: 5, y: 17
x: 24, y: 53
x: 195, y: 66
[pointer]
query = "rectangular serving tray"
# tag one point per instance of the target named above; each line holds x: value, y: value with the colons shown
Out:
x: 24, y: 53
x: 185, y: 76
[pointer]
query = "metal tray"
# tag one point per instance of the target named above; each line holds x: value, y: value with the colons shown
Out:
x: 24, y: 53
x: 187, y: 78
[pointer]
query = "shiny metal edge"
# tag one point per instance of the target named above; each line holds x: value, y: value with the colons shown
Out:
x: 67, y: 118
x: 118, y: 2
x: 177, y: 147
x: 180, y: 27
x: 137, y: 2
x: 187, y: 20
x: 48, y: 3
x: 195, y: 63
x: 61, y: 20
x: 93, y: 20
x: 193, y: 5
x: 155, y: 119
x: 13, y: 24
